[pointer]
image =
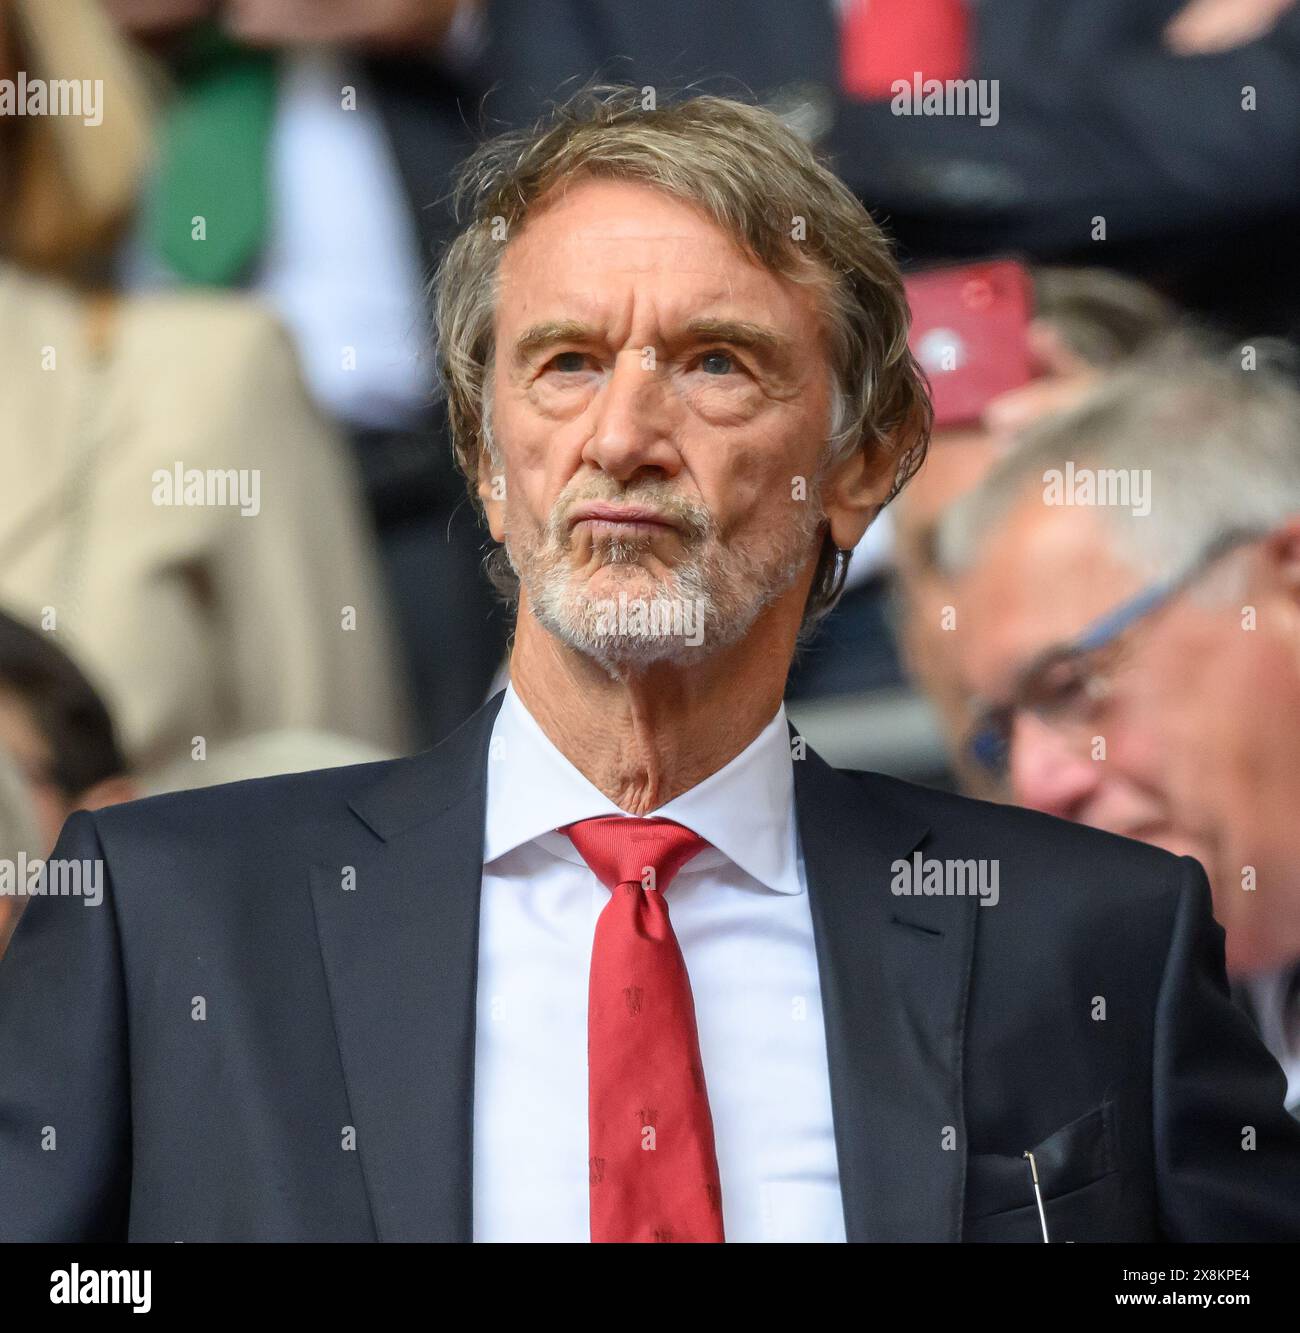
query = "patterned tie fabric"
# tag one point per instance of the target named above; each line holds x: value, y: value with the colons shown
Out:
x: 882, y: 41
x: 653, y: 1168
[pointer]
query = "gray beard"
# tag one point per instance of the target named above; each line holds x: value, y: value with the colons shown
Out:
x: 709, y: 601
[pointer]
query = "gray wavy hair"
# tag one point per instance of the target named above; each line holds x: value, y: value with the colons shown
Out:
x: 758, y: 181
x: 1219, y: 444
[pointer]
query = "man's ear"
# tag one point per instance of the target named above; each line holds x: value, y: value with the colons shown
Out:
x: 492, y: 492
x: 855, y: 491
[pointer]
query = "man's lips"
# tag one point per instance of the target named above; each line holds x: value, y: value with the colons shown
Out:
x: 630, y: 518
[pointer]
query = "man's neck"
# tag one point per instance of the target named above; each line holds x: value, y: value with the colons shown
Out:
x: 646, y: 737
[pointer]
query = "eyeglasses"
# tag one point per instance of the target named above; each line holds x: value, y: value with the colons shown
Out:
x: 1066, y: 684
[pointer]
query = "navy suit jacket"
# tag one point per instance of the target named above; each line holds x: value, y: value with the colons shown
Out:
x: 266, y: 1029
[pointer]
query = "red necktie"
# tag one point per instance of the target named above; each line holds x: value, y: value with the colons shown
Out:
x: 885, y: 40
x: 653, y: 1169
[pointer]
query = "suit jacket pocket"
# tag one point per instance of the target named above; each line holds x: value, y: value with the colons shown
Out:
x: 1070, y: 1158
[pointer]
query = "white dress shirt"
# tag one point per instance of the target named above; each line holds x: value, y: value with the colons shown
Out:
x: 740, y: 912
x: 1269, y: 992
x: 342, y: 263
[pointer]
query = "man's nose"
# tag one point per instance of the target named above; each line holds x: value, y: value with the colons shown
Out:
x: 1049, y: 771
x: 632, y: 427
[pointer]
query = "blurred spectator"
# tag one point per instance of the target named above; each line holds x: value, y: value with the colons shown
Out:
x: 274, y: 136
x: 316, y: 143
x: 57, y: 729
x: 1081, y: 322
x: 1176, y: 124
x: 1221, y: 25
x: 265, y: 755
x: 69, y: 185
x: 19, y: 837
x: 1085, y: 322
x: 209, y: 608
x: 57, y: 738
x: 1130, y: 616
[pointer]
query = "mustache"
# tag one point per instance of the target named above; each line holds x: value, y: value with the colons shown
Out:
x: 693, y: 517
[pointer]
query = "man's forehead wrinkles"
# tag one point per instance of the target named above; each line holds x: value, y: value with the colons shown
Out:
x: 622, y: 234
x: 592, y: 303
x: 633, y: 250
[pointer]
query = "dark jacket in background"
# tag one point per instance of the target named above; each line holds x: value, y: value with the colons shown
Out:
x: 1200, y: 197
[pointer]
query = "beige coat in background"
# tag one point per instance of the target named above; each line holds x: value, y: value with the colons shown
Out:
x: 193, y: 621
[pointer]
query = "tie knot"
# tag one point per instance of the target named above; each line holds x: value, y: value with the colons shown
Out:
x: 620, y: 849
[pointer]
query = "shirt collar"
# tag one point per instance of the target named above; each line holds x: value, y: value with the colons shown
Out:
x: 745, y: 809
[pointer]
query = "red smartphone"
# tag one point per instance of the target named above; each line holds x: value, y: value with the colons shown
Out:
x: 970, y: 327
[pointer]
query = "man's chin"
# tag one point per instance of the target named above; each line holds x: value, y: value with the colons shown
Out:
x: 623, y: 583
x: 624, y: 577
x: 626, y: 616
x: 623, y: 645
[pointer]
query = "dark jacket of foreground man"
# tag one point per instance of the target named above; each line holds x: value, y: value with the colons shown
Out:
x: 1084, y: 1016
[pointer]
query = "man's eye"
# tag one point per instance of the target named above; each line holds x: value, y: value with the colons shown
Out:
x: 1060, y: 686
x: 568, y: 363
x: 717, y: 363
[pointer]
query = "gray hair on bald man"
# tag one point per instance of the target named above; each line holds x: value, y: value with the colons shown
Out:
x: 1216, y: 447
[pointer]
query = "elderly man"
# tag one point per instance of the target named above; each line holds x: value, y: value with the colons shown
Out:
x: 1128, y: 614
x: 1085, y: 323
x: 622, y: 959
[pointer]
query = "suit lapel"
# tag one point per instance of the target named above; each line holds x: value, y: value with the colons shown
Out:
x: 401, y: 961
x: 400, y: 951
x: 894, y: 976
